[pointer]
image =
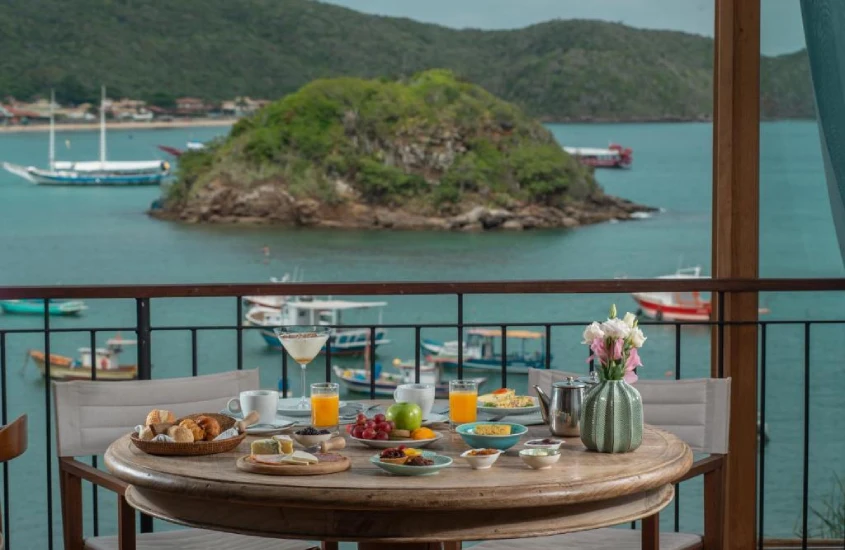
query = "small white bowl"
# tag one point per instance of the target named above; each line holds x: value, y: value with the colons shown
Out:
x: 481, y: 462
x: 310, y: 440
x: 538, y: 444
x: 539, y: 459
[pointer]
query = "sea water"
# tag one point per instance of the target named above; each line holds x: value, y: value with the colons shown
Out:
x: 61, y: 236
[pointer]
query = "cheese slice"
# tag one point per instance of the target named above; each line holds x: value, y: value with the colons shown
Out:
x: 295, y: 461
x: 305, y: 457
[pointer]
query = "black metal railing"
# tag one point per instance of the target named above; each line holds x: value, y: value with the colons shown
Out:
x: 144, y: 329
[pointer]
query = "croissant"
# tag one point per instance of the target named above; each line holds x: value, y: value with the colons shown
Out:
x: 196, y: 431
x: 210, y: 425
x: 180, y: 434
x: 160, y: 416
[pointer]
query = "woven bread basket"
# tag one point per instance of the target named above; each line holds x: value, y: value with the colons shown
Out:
x: 197, y: 448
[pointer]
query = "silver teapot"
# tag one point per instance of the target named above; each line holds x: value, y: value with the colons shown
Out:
x: 562, y: 410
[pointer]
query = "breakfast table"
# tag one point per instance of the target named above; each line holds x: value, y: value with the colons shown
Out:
x: 584, y: 490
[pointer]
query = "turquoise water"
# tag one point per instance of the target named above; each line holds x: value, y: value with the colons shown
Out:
x: 98, y: 236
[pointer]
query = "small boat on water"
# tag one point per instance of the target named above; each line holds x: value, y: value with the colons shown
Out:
x: 482, y: 351
x: 308, y: 311
x: 678, y: 306
x: 615, y: 156
x: 107, y: 365
x: 358, y: 380
x: 91, y: 173
x: 36, y: 307
x: 189, y: 146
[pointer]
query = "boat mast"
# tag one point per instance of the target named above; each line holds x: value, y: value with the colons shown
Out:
x: 52, y: 153
x: 103, y: 125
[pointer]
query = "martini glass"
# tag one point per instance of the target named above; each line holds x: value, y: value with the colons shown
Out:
x: 303, y: 344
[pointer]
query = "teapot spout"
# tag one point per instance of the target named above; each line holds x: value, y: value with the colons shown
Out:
x: 545, y: 403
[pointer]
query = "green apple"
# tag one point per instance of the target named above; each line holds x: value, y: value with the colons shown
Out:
x: 406, y: 416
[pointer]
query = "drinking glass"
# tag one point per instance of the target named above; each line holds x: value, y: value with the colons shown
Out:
x: 325, y: 404
x: 303, y: 343
x: 463, y: 402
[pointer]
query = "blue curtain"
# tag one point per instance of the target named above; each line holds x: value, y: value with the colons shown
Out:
x: 824, y: 28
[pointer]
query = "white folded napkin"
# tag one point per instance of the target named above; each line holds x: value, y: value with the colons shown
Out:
x: 228, y: 434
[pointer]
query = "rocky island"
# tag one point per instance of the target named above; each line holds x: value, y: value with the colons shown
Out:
x: 428, y: 152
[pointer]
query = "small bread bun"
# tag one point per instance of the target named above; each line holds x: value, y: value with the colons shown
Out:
x: 146, y: 434
x: 160, y: 416
x: 196, y: 431
x: 180, y: 434
x: 209, y: 425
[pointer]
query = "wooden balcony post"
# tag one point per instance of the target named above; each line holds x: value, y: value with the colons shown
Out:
x: 736, y: 209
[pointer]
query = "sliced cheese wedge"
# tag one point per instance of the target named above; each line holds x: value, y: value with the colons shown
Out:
x: 306, y: 457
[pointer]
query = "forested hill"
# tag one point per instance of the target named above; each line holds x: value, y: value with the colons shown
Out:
x: 559, y: 70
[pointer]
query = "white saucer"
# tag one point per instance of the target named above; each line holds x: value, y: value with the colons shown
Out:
x: 434, y: 418
x: 289, y: 406
x: 265, y: 429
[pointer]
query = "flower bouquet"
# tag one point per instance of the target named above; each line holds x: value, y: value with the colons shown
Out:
x: 612, y: 413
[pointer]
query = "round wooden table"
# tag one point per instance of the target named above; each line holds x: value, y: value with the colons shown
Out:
x: 584, y: 490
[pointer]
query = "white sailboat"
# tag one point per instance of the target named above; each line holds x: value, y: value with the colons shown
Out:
x: 100, y: 173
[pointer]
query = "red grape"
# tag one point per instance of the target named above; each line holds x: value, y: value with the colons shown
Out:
x: 361, y: 419
x: 384, y: 427
x: 369, y: 433
x: 358, y: 432
x: 391, y: 424
x: 401, y: 447
x: 349, y: 428
x: 379, y: 418
x: 371, y: 424
x: 381, y: 436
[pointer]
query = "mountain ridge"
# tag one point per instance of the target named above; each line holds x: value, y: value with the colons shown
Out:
x: 559, y: 70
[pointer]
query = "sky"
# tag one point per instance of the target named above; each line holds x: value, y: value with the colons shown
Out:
x: 781, y: 19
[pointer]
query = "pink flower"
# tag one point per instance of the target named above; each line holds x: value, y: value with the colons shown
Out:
x: 632, y: 363
x: 617, y: 349
x: 599, y: 350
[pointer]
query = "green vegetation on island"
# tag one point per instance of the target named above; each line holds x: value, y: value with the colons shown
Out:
x: 345, y: 151
x: 218, y: 49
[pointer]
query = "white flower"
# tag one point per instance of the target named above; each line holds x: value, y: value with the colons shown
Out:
x: 629, y: 319
x: 615, y: 328
x: 637, y: 337
x: 592, y: 332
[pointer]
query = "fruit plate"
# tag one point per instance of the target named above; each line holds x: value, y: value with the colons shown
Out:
x: 504, y: 411
x: 389, y: 443
x: 440, y: 462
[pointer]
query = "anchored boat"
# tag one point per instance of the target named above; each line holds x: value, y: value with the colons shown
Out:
x: 307, y: 311
x: 482, y: 351
x: 36, y: 307
x: 91, y: 173
x: 615, y: 156
x: 107, y: 365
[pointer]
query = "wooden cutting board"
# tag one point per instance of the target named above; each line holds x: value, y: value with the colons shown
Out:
x: 247, y: 464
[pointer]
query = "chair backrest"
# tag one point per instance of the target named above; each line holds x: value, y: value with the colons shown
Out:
x: 696, y: 410
x: 91, y: 415
x: 13, y: 439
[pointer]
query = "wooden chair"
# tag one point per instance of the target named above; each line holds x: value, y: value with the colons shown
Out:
x: 13, y: 441
x: 698, y: 412
x: 91, y: 415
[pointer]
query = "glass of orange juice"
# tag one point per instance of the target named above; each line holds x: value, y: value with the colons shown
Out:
x: 463, y: 402
x: 325, y: 404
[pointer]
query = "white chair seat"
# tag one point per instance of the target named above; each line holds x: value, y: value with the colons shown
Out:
x: 198, y: 539
x: 618, y: 539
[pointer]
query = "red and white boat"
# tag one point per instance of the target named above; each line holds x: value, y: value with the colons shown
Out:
x: 615, y: 156
x: 677, y: 306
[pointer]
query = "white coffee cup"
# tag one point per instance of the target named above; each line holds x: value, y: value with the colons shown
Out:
x: 421, y: 394
x: 264, y: 402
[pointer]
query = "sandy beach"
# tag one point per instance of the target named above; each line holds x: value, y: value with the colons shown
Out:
x: 154, y: 125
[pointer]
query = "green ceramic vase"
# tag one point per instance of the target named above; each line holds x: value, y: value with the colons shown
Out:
x: 612, y: 418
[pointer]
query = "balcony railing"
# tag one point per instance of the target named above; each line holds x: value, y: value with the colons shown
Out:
x: 145, y: 296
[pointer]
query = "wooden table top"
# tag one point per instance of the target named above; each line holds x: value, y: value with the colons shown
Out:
x: 580, y: 476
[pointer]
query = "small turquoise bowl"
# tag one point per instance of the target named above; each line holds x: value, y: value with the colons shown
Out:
x: 501, y: 442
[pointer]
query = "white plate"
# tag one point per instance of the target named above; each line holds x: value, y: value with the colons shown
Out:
x: 434, y: 418
x: 289, y: 406
x: 499, y: 411
x: 264, y: 429
x: 387, y: 444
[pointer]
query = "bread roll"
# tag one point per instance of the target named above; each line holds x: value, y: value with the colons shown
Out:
x: 209, y: 425
x: 146, y: 434
x: 180, y: 434
x: 196, y: 431
x: 160, y: 416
